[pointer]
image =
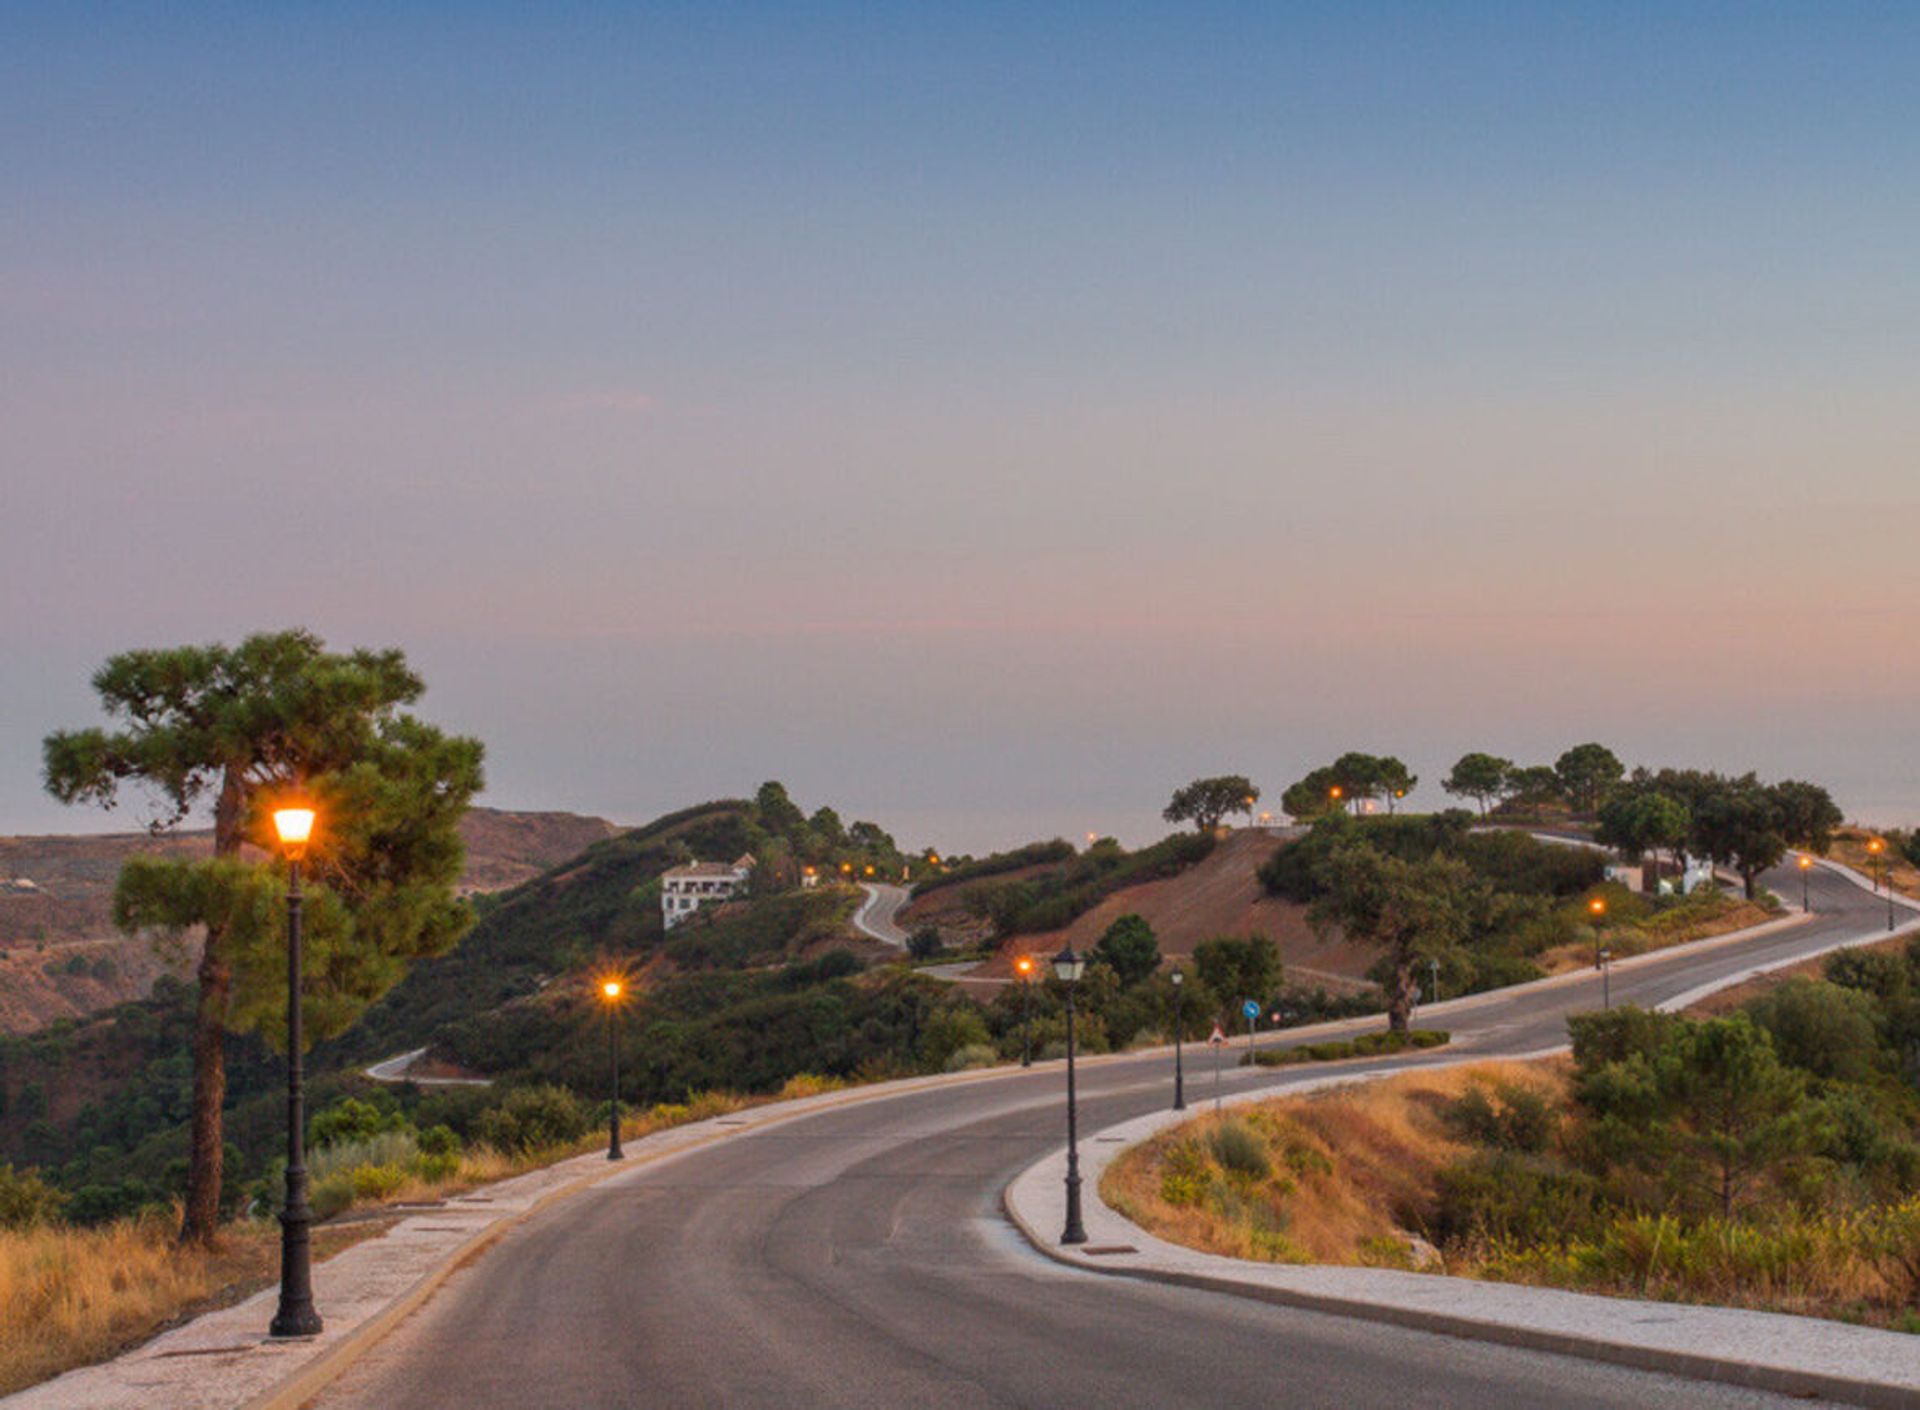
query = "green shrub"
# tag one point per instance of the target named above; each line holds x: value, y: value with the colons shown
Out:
x: 1505, y: 1197
x: 971, y: 1056
x: 332, y: 1195
x: 1510, y: 1117
x: 351, y: 1119
x: 26, y: 1199
x: 1240, y: 1151
x: 438, y: 1140
x: 434, y: 1168
x: 395, y: 1148
x: 1367, y: 1045
x: 531, y: 1119
x: 376, y: 1182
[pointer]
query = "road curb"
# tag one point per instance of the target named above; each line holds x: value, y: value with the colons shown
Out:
x: 1722, y: 1370
x: 1725, y: 1370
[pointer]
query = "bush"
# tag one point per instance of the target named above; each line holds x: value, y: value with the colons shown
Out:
x: 971, y: 1056
x: 531, y: 1119
x: 1510, y: 1117
x: 925, y: 943
x: 1504, y: 1197
x: 351, y: 1119
x: 1240, y: 1151
x: 332, y: 1195
x: 1366, y: 1045
x: 438, y: 1140
x: 26, y: 1199
x: 1821, y: 1028
x: 436, y: 1168
x: 376, y: 1182
x: 955, y: 1026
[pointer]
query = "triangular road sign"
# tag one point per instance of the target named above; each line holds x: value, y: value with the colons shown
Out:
x: 1218, y: 1036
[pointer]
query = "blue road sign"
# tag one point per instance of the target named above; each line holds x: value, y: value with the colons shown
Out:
x: 1250, y: 1009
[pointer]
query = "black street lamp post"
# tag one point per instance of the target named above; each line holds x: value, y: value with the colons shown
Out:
x: 610, y: 989
x: 1068, y: 966
x: 1806, y: 897
x: 296, y: 1316
x: 1606, y: 979
x: 1179, y: 1022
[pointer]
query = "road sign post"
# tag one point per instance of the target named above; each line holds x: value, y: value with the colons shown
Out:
x: 1216, y: 1041
x: 1252, y: 1010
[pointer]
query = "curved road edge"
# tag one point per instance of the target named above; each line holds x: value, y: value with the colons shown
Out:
x: 1765, y: 1350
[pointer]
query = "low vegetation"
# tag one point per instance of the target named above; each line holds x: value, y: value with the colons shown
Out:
x: 1769, y: 1158
x: 1365, y: 1046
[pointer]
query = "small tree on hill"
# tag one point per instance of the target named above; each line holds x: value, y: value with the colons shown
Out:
x: 1586, y: 773
x: 1311, y: 797
x: 1130, y: 948
x: 1233, y: 968
x: 1639, y: 823
x: 1739, y: 826
x: 1206, y: 801
x: 1481, y: 777
x: 1411, y: 911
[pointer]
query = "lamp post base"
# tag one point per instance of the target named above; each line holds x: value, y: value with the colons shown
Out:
x: 1075, y: 1232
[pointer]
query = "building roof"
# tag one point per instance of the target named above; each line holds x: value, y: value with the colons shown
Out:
x: 718, y: 871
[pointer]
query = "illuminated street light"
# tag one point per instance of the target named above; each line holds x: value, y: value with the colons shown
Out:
x: 610, y: 992
x: 1882, y: 874
x: 1024, y: 968
x: 1806, y: 870
x: 296, y: 1316
x: 1597, y: 908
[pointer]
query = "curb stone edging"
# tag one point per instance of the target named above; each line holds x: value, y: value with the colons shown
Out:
x: 1233, y: 1275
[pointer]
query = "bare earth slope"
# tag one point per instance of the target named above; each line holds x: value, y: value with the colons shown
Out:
x: 1222, y: 895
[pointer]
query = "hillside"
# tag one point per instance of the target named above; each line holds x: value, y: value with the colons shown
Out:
x: 60, y: 956
x: 1219, y: 895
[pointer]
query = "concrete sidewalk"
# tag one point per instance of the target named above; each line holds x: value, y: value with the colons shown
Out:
x: 1758, y: 1350
x: 224, y: 1361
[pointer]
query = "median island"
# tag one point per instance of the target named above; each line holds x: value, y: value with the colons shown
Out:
x: 1768, y: 1158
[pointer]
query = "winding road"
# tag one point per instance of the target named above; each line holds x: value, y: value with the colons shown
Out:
x: 858, y: 1257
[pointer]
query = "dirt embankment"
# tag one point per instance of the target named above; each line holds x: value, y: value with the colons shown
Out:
x: 1221, y: 895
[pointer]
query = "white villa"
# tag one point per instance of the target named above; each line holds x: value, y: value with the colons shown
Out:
x: 685, y: 889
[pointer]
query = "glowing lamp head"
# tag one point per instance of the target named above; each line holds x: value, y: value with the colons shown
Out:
x: 1068, y: 966
x: 294, y: 827
x: 610, y: 989
x: 869, y: 868
x: 1335, y: 791
x: 1806, y: 863
x: 1179, y: 977
x: 1598, y: 905
x: 1876, y: 846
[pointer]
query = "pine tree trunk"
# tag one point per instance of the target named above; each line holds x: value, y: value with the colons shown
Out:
x: 201, y: 1221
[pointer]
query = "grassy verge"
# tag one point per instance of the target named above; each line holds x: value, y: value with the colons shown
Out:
x: 1850, y: 847
x: 1361, y: 1176
x: 1638, y: 927
x: 1366, y: 1045
x: 79, y: 1294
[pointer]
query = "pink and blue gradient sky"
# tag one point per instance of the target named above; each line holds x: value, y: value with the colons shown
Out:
x: 986, y: 420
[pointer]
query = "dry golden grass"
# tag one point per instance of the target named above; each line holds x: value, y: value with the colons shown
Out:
x: 1850, y: 847
x: 1658, y: 933
x: 73, y: 1296
x: 1352, y: 1170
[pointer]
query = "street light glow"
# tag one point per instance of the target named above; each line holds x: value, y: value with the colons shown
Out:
x: 294, y: 825
x: 611, y: 988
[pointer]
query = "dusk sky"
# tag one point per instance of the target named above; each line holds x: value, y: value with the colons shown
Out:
x: 985, y: 419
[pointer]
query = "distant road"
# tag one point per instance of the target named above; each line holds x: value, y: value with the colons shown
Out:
x: 394, y: 1069
x: 876, y: 915
x: 859, y: 1257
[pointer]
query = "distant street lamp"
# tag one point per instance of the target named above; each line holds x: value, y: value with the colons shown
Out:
x: 1882, y: 874
x: 1024, y: 968
x: 1806, y: 869
x: 1606, y: 979
x: 1597, y: 908
x: 610, y: 991
x: 1433, y: 978
x: 1179, y: 979
x: 296, y: 1316
x: 1068, y: 967
x: 1334, y: 795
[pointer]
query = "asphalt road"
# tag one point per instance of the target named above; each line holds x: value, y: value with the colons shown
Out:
x: 876, y: 914
x: 859, y: 1258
